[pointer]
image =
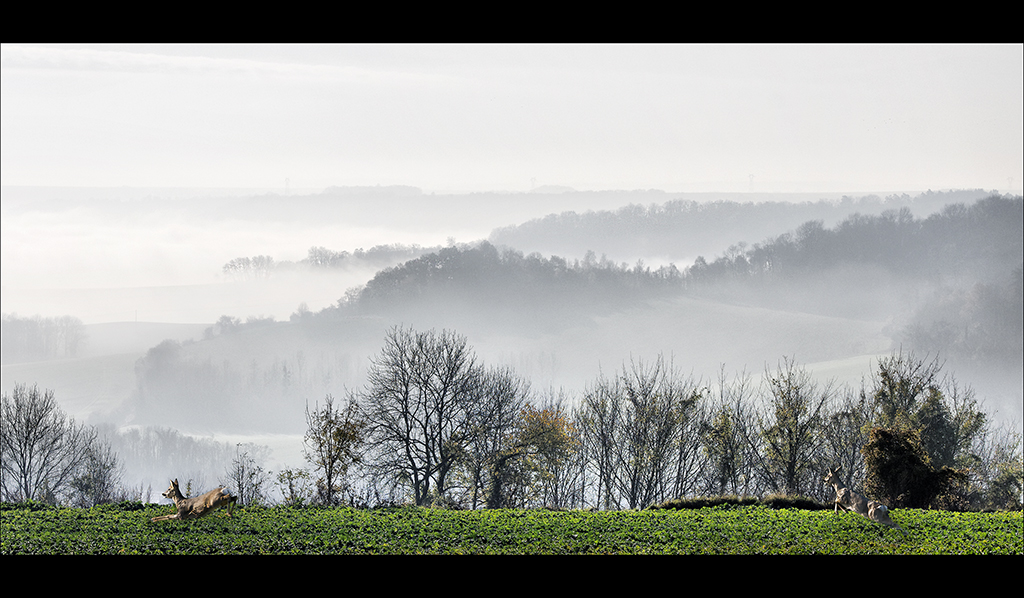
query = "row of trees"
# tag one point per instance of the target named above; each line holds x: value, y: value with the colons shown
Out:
x: 319, y: 258
x: 249, y: 268
x: 46, y: 456
x: 378, y: 255
x: 37, y: 338
x: 434, y: 425
x: 446, y: 427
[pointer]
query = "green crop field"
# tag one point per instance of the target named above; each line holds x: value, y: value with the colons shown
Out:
x: 710, y: 530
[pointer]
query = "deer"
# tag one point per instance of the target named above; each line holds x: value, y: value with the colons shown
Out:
x: 199, y: 506
x: 853, y: 501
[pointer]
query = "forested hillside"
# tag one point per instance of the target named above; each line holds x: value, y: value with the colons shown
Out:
x: 960, y: 243
x: 699, y: 224
x: 948, y: 283
x: 957, y: 274
x: 504, y: 286
x: 964, y: 255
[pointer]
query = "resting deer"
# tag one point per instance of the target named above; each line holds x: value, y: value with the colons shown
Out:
x: 852, y: 501
x: 194, y: 508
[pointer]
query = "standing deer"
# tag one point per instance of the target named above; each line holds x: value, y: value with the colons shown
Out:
x: 194, y: 508
x: 852, y: 501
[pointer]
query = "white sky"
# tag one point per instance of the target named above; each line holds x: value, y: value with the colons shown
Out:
x: 507, y: 117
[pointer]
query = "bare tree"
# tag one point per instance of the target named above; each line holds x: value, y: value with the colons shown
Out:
x: 600, y: 412
x: 294, y: 485
x: 845, y: 432
x: 247, y: 476
x: 531, y: 462
x: 659, y: 399
x: 727, y: 440
x: 999, y: 475
x: 41, y: 338
x: 70, y: 335
x: 494, y: 445
x: 425, y: 401
x: 963, y: 425
x: 790, y: 429
x: 689, y: 461
x: 333, y: 444
x: 723, y: 446
x: 98, y: 480
x: 557, y: 459
x: 633, y: 431
x: 42, y: 448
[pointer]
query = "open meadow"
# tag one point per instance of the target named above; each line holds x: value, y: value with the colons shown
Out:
x: 723, y: 529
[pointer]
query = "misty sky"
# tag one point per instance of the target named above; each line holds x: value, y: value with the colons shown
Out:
x: 456, y: 118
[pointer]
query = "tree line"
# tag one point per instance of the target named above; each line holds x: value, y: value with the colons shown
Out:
x: 47, y: 457
x: 319, y: 258
x: 679, y: 228
x: 959, y: 242
x: 434, y: 425
x: 37, y: 338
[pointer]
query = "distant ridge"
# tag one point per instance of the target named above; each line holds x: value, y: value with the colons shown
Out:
x: 374, y: 191
x: 552, y: 189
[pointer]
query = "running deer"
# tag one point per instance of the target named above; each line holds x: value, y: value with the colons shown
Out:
x: 852, y: 501
x: 194, y: 508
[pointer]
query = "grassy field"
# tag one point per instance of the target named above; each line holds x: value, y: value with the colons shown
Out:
x: 710, y: 530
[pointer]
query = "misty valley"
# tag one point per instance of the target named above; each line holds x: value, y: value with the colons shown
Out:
x: 711, y: 299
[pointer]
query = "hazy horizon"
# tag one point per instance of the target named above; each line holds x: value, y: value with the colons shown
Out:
x: 161, y: 122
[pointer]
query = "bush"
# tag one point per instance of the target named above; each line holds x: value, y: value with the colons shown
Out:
x: 774, y: 501
x: 782, y: 501
x: 900, y: 474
